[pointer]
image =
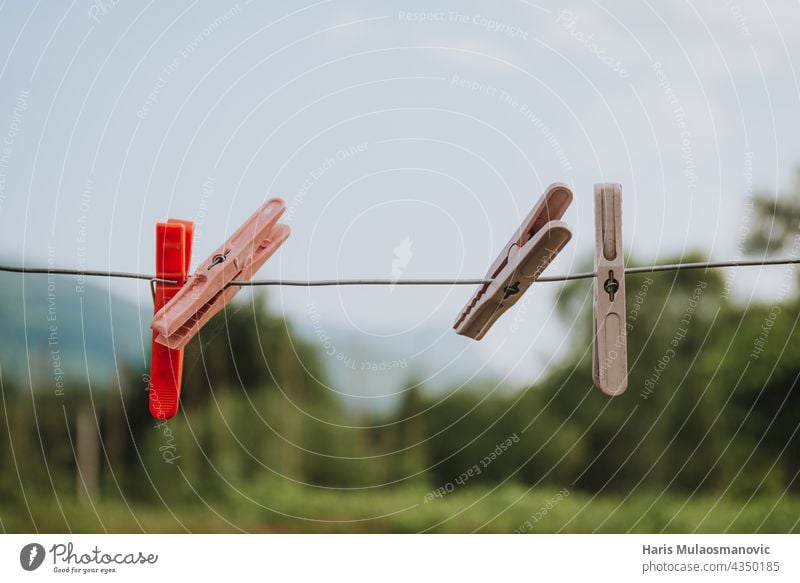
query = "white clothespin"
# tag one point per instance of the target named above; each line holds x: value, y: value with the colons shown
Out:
x: 610, y: 353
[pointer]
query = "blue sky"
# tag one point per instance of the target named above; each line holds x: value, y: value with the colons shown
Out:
x: 391, y: 126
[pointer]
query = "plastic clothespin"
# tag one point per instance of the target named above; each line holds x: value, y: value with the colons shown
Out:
x: 610, y: 353
x: 521, y: 262
x: 173, y: 256
x: 208, y: 289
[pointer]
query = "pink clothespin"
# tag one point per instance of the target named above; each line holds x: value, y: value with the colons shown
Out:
x: 208, y: 289
x: 610, y: 353
x: 521, y: 262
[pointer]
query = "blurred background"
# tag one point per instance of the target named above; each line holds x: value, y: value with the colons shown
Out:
x: 408, y: 141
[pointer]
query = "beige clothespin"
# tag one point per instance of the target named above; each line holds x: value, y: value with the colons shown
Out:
x: 610, y: 354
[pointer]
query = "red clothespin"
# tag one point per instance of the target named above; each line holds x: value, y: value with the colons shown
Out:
x: 532, y: 248
x: 610, y: 353
x: 208, y: 289
x: 173, y: 255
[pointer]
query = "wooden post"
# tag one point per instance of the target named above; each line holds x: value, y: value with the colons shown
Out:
x: 87, y: 454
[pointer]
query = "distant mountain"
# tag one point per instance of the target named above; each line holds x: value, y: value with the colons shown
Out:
x: 52, y: 333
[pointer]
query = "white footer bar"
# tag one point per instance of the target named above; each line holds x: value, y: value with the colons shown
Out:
x: 406, y: 558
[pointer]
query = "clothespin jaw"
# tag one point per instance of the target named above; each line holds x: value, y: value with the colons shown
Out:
x: 208, y: 289
x: 521, y: 262
x: 610, y: 352
x: 173, y: 256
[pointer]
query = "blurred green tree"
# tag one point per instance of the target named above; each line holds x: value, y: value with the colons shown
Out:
x: 777, y: 221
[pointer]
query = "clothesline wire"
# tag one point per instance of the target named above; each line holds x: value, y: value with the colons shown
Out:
x: 447, y: 281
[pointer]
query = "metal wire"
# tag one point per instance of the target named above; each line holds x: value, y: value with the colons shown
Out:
x: 330, y: 282
x: 548, y: 278
x: 85, y: 273
x: 348, y: 282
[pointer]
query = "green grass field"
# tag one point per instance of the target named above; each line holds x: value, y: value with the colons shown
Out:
x: 505, y: 509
